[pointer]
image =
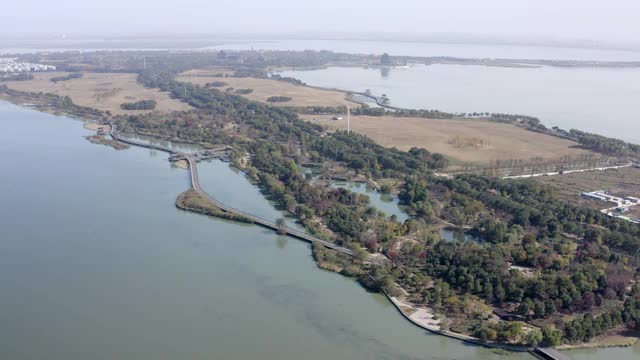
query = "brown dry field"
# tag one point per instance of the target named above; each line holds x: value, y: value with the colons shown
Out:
x: 208, y: 72
x: 102, y: 91
x: 499, y: 141
x: 265, y: 88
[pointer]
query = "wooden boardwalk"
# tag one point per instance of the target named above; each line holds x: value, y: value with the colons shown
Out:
x: 195, y: 183
x: 192, y: 160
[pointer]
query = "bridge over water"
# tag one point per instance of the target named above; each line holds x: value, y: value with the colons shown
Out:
x: 192, y: 160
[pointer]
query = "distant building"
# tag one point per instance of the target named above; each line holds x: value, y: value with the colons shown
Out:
x: 11, y: 66
x: 595, y: 195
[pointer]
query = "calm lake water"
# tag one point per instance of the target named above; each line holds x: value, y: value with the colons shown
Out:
x: 97, y: 263
x: 596, y: 100
x: 389, y: 204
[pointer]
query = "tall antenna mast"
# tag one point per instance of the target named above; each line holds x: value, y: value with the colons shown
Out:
x: 348, y: 120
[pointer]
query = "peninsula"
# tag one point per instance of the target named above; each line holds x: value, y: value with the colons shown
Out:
x: 545, y: 272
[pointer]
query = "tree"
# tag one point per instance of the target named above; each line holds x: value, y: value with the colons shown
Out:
x: 551, y: 335
x: 525, y: 307
x: 282, y: 226
x: 385, y: 59
x: 534, y: 337
x: 360, y: 253
x: 539, y: 309
x: 549, y: 307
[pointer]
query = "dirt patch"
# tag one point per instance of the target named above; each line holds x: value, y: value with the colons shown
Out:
x: 329, y: 266
x: 182, y: 164
x: 266, y: 88
x: 472, y: 141
x: 102, y: 91
x: 97, y: 127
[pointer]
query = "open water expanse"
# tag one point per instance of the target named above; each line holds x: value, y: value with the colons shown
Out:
x: 589, y: 99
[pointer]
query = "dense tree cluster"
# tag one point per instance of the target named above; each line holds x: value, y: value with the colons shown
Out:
x: 605, y: 144
x: 71, y: 76
x: 216, y: 84
x: 526, y: 203
x: 140, y: 105
x: 243, y: 91
x: 278, y: 99
x: 585, y: 328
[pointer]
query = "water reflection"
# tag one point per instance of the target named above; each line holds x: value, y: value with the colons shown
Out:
x: 389, y: 204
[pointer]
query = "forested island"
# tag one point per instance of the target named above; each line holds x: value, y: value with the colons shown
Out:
x: 542, y: 272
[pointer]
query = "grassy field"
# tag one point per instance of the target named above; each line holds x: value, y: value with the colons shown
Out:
x: 102, y: 91
x: 470, y: 141
x: 620, y: 182
x: 265, y: 88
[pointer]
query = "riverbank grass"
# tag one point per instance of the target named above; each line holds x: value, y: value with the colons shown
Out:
x: 193, y: 201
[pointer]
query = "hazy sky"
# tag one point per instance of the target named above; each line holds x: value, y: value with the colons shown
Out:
x: 614, y: 21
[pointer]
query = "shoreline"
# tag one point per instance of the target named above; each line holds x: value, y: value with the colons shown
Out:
x: 438, y: 331
x: 397, y: 305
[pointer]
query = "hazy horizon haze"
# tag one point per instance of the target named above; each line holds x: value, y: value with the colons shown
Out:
x: 586, y: 22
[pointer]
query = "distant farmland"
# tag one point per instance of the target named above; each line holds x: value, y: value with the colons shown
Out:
x: 102, y: 91
x: 266, y: 88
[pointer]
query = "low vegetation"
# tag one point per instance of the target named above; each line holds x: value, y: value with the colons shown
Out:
x: 100, y: 139
x: 191, y: 200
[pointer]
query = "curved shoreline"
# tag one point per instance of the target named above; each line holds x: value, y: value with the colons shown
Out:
x: 444, y: 333
x: 452, y: 335
x: 393, y: 301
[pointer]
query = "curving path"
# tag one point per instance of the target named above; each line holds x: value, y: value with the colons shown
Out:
x: 195, y: 183
x: 546, y: 353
